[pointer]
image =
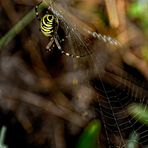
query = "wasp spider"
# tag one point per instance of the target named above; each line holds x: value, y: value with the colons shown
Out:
x: 49, y: 25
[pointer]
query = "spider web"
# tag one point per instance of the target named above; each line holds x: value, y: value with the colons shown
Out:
x: 116, y: 88
x: 76, y: 32
x: 113, y: 110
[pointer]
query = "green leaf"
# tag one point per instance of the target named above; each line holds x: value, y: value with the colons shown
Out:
x: 89, y: 137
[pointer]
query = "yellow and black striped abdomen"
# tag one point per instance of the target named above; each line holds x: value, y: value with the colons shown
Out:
x: 47, y: 24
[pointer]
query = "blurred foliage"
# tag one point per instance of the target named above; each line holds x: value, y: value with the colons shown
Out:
x: 139, y: 112
x: 2, y: 137
x: 144, y: 52
x: 19, y: 26
x: 133, y: 140
x: 54, y: 97
x: 90, y: 135
x: 138, y: 10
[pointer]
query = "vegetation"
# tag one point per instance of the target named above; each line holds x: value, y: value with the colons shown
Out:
x: 48, y: 99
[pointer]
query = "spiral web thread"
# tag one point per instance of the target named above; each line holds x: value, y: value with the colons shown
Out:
x: 114, y: 100
x: 115, y: 97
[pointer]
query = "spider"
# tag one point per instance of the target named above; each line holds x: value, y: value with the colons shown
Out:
x: 49, y: 25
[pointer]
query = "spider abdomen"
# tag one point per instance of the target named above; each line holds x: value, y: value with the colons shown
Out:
x: 48, y: 25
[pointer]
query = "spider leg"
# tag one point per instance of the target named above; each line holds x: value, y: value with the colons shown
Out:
x: 49, y: 44
x: 49, y: 8
x: 36, y: 11
x: 63, y: 52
